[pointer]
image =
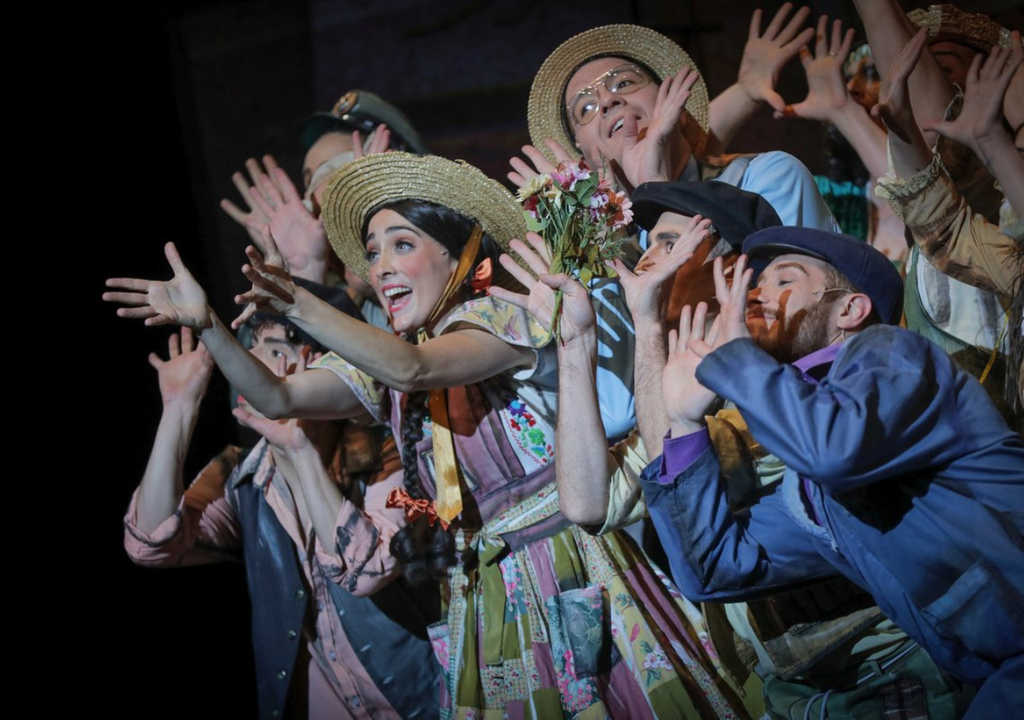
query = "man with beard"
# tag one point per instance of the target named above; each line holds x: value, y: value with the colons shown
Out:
x: 899, y: 472
x: 824, y: 646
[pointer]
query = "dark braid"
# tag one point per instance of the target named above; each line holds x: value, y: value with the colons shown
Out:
x: 425, y: 552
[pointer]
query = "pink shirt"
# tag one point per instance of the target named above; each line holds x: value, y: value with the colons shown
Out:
x: 205, y: 529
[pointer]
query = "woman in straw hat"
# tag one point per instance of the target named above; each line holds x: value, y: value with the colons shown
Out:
x: 543, y: 620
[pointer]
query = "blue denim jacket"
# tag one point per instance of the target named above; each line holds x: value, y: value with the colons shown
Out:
x: 901, y: 475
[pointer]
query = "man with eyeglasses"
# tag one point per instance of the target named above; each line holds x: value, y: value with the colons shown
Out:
x: 631, y: 100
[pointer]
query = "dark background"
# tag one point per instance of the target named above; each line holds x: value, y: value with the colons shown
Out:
x: 182, y: 97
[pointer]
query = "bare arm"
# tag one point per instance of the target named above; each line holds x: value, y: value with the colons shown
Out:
x: 460, y: 357
x: 300, y: 447
x: 182, y: 301
x: 581, y: 464
x: 764, y: 56
x: 352, y: 542
x: 910, y: 153
x: 581, y: 460
x: 888, y: 29
x: 645, y: 298
x: 183, y: 379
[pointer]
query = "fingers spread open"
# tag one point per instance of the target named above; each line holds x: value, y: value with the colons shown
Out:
x: 515, y: 270
x: 137, y: 313
x: 793, y: 26
x: 513, y: 298
x: 540, y: 163
x: 173, y: 345
x: 561, y: 154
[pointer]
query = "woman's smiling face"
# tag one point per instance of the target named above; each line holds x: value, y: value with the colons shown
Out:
x: 409, y: 269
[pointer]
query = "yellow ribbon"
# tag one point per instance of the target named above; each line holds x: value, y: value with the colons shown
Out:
x: 446, y: 468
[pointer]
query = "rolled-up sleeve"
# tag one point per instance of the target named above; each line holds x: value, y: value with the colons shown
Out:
x: 956, y: 240
x: 626, y: 460
x: 203, y: 529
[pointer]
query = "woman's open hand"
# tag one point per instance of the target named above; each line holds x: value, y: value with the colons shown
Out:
x: 180, y: 300
x: 577, y: 316
x: 273, y: 289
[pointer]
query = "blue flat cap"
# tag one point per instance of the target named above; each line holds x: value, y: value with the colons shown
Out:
x: 871, y: 272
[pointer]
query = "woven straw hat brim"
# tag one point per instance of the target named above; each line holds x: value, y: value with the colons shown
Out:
x: 631, y: 42
x: 360, y: 187
x: 948, y: 23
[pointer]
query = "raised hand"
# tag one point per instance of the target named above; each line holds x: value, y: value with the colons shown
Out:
x: 645, y: 288
x: 186, y: 373
x: 523, y: 171
x: 273, y: 289
x: 826, y: 90
x: 379, y: 142
x: 894, y: 106
x: 765, y: 55
x: 290, y: 435
x: 253, y: 219
x: 180, y: 300
x: 981, y: 117
x: 299, y: 236
x: 577, y: 316
x: 731, y: 322
x: 648, y: 157
x: 685, y: 399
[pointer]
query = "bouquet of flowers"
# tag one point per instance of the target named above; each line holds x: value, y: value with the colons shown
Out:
x: 581, y: 218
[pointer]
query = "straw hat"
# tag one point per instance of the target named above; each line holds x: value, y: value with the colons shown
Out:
x: 362, y: 186
x: 947, y: 23
x: 545, y: 112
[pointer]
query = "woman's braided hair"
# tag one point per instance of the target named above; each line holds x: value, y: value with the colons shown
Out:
x: 424, y: 552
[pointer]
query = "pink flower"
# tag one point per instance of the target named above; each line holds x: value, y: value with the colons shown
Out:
x: 569, y: 173
x: 619, y: 212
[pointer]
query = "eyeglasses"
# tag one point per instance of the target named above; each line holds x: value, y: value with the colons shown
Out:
x: 622, y: 80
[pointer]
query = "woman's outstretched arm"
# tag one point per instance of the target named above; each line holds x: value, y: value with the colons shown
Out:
x: 182, y: 300
x: 460, y: 357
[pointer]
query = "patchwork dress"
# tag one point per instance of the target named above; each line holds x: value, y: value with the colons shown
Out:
x: 543, y: 619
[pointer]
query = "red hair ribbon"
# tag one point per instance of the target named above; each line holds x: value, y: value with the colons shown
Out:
x: 415, y: 509
x: 483, y: 277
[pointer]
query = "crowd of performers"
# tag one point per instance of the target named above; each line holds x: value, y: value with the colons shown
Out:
x: 807, y: 390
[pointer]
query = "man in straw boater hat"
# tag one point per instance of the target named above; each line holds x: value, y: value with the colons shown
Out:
x: 897, y: 472
x: 633, y: 102
x: 801, y: 641
x: 617, y: 94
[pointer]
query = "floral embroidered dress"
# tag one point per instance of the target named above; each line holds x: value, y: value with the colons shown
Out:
x: 543, y: 619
